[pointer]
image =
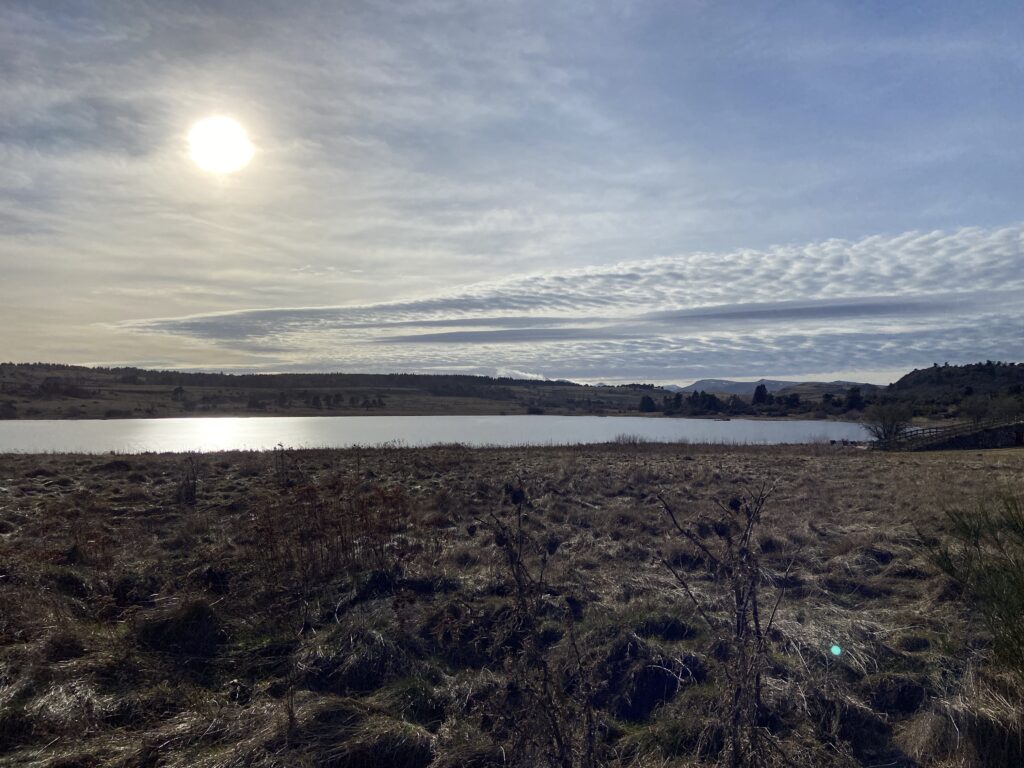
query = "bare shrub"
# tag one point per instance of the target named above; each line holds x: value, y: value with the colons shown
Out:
x: 547, y: 709
x: 725, y: 543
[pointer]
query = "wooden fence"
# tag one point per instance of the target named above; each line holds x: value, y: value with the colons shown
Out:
x: 917, y: 438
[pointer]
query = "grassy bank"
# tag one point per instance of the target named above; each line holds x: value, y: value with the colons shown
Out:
x: 448, y: 606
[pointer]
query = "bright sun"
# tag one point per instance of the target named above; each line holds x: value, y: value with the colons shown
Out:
x: 219, y: 145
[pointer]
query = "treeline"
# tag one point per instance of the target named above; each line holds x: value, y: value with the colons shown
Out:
x: 438, y: 384
x: 763, y: 403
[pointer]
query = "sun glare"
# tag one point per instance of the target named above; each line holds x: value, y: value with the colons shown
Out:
x: 219, y: 145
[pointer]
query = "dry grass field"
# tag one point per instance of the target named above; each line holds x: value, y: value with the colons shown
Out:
x: 457, y: 607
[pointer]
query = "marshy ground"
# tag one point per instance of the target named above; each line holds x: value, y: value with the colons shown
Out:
x: 363, y: 607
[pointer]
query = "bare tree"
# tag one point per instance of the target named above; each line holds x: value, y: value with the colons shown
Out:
x: 888, y: 421
x: 977, y: 408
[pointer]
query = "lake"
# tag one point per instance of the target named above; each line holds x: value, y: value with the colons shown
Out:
x: 263, y: 433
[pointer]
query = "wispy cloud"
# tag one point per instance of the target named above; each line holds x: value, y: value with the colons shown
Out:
x: 878, y: 303
x: 549, y: 187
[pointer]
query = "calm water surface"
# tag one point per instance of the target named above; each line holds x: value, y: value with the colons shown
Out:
x: 263, y: 433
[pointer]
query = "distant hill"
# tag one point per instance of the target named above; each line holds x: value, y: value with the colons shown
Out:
x: 746, y: 388
x: 949, y: 384
x: 54, y: 391
x: 728, y: 387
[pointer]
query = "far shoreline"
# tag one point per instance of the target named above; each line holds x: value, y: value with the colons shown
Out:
x: 64, y: 392
x: 378, y: 414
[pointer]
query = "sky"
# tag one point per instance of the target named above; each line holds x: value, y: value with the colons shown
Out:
x: 599, y: 191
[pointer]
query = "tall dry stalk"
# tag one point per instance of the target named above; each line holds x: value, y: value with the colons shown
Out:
x: 725, y: 542
x: 555, y: 722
